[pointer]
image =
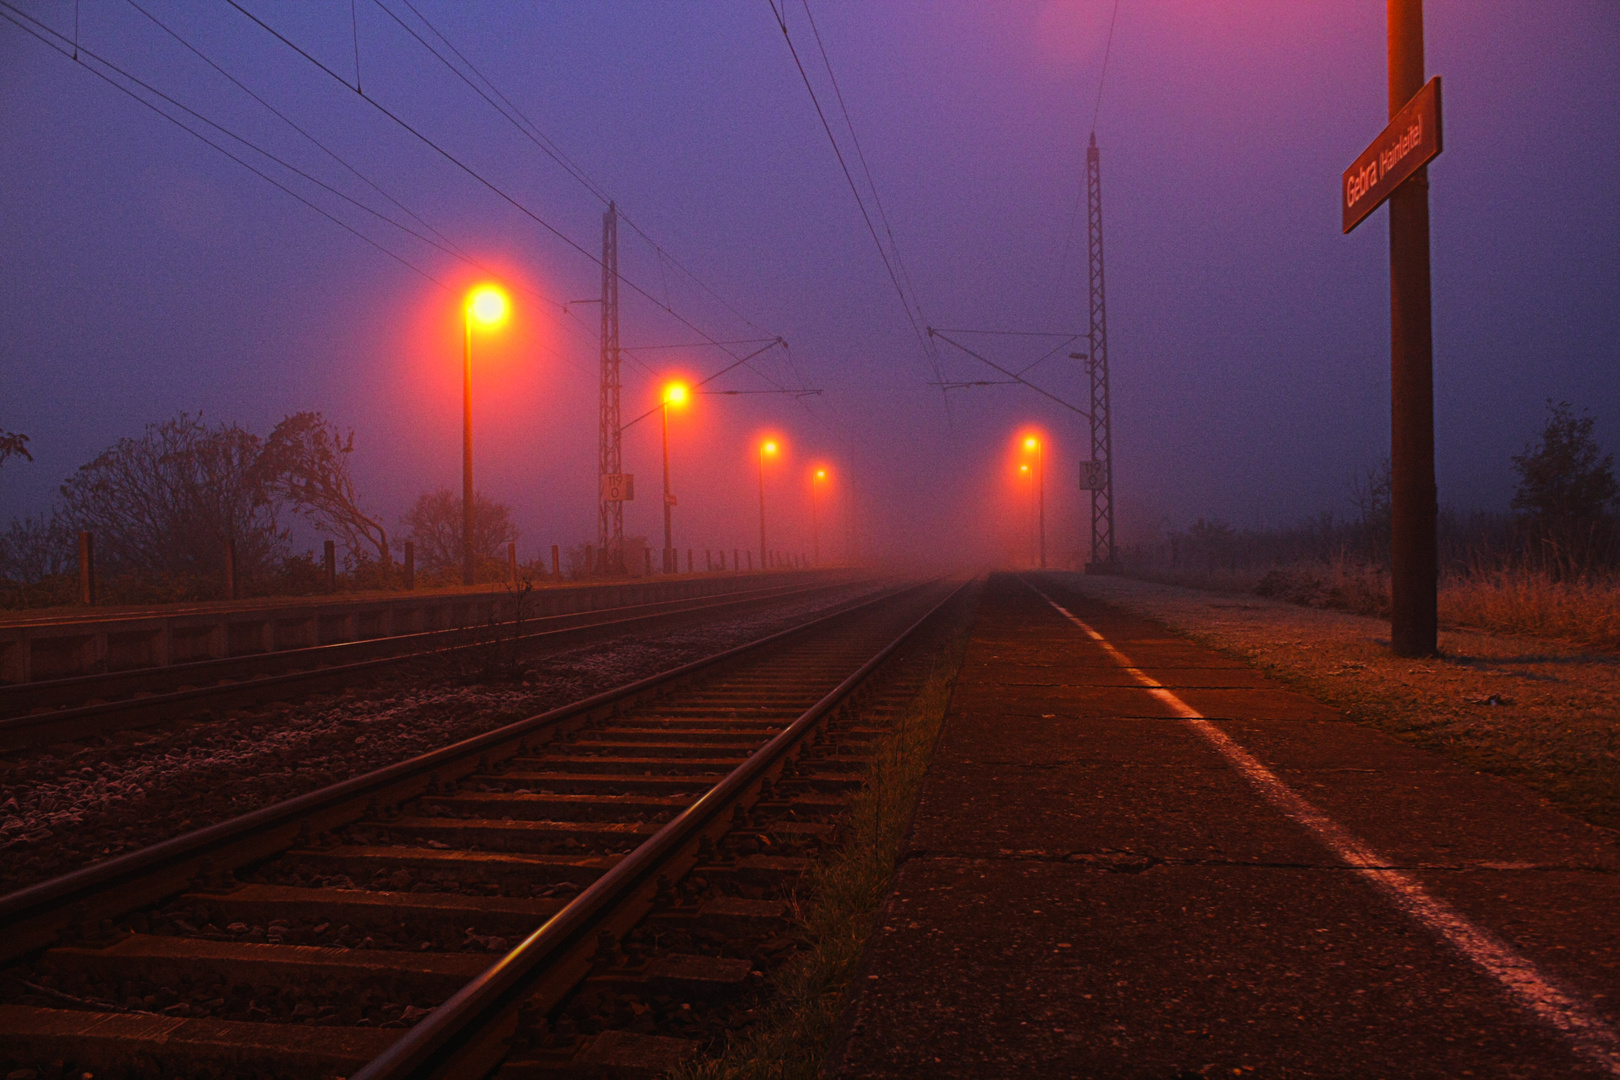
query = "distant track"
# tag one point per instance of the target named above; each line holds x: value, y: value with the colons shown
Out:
x: 152, y: 695
x: 621, y: 794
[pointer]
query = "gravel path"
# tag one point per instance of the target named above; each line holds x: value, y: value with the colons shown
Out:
x: 64, y: 807
x: 1540, y: 711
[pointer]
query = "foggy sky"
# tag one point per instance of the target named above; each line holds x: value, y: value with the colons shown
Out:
x: 142, y: 273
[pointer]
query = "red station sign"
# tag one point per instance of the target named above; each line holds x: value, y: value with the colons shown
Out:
x: 1410, y: 142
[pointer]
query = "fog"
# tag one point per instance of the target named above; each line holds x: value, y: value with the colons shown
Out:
x: 143, y: 273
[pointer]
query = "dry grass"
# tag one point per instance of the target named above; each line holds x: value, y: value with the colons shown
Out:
x: 1585, y: 612
x: 837, y: 900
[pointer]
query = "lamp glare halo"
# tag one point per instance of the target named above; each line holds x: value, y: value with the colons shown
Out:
x: 488, y: 305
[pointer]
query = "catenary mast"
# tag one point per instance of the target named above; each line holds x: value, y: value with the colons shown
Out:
x: 1102, y: 440
x: 610, y: 518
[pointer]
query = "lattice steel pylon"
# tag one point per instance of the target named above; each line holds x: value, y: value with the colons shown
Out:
x: 1102, y: 437
x: 610, y: 517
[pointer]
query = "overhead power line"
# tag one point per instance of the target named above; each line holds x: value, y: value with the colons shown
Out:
x: 1013, y: 375
x: 78, y: 53
x: 284, y: 118
x: 520, y: 120
x: 484, y: 181
x: 866, y: 170
x: 1108, y: 50
x: 888, y: 264
x: 1080, y: 188
x: 447, y: 246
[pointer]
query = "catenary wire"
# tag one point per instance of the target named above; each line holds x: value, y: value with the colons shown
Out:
x: 860, y: 155
x: 468, y: 169
x: 12, y: 15
x: 549, y: 147
x: 860, y: 203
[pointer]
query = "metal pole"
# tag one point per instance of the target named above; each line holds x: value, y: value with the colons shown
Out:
x: 815, y: 524
x: 466, y: 457
x: 1032, y: 517
x: 87, y: 568
x: 1040, y: 465
x: 762, y: 555
x: 1414, y: 502
x: 669, y: 542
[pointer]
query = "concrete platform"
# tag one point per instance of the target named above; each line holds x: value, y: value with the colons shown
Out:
x: 1092, y: 889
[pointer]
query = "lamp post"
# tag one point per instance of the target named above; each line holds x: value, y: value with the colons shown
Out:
x: 487, y: 305
x: 819, y: 476
x: 766, y: 447
x: 674, y: 394
x: 1029, y: 506
x: 1032, y: 443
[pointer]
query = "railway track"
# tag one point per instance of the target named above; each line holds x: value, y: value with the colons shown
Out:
x: 434, y: 917
x: 49, y: 711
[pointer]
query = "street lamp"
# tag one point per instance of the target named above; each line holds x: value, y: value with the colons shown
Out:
x: 1032, y: 443
x: 674, y: 394
x: 485, y: 304
x: 820, y: 476
x: 766, y: 447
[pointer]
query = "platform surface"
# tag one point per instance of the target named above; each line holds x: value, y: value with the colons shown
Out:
x: 1091, y: 888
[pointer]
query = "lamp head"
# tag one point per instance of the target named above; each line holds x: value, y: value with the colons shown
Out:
x: 1031, y: 442
x: 821, y: 474
x: 487, y: 305
x: 676, y: 393
x: 769, y: 447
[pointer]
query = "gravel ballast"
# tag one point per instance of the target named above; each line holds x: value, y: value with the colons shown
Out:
x: 70, y: 805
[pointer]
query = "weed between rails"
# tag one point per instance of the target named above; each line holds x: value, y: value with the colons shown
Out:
x: 835, y: 903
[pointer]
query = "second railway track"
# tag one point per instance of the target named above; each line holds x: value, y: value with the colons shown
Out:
x: 41, y: 713
x: 416, y: 920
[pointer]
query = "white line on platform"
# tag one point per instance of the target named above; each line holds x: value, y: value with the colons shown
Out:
x: 1590, y: 1033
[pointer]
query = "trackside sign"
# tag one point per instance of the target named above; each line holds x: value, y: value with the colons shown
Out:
x: 1411, y: 141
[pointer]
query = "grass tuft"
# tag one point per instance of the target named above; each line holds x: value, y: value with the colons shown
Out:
x: 1516, y: 600
x: 1522, y: 601
x: 837, y: 899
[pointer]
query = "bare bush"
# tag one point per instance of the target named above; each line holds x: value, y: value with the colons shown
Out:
x: 168, y: 501
x: 434, y: 525
x: 304, y: 464
x: 14, y: 444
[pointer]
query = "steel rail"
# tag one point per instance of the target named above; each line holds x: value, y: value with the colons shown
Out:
x: 41, y: 729
x: 35, y: 915
x: 433, y: 1046
x: 18, y: 697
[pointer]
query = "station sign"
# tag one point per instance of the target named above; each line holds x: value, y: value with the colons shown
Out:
x: 1410, y: 142
x: 618, y: 487
x: 1093, y: 475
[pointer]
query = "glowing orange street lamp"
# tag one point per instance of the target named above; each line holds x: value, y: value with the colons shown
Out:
x: 677, y: 394
x: 1032, y: 443
x: 766, y: 447
x: 818, y: 477
x: 487, y: 305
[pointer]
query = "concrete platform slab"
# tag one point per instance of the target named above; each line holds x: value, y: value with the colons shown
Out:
x: 1093, y: 889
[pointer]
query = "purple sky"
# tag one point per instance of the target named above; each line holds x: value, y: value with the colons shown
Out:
x: 143, y: 273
